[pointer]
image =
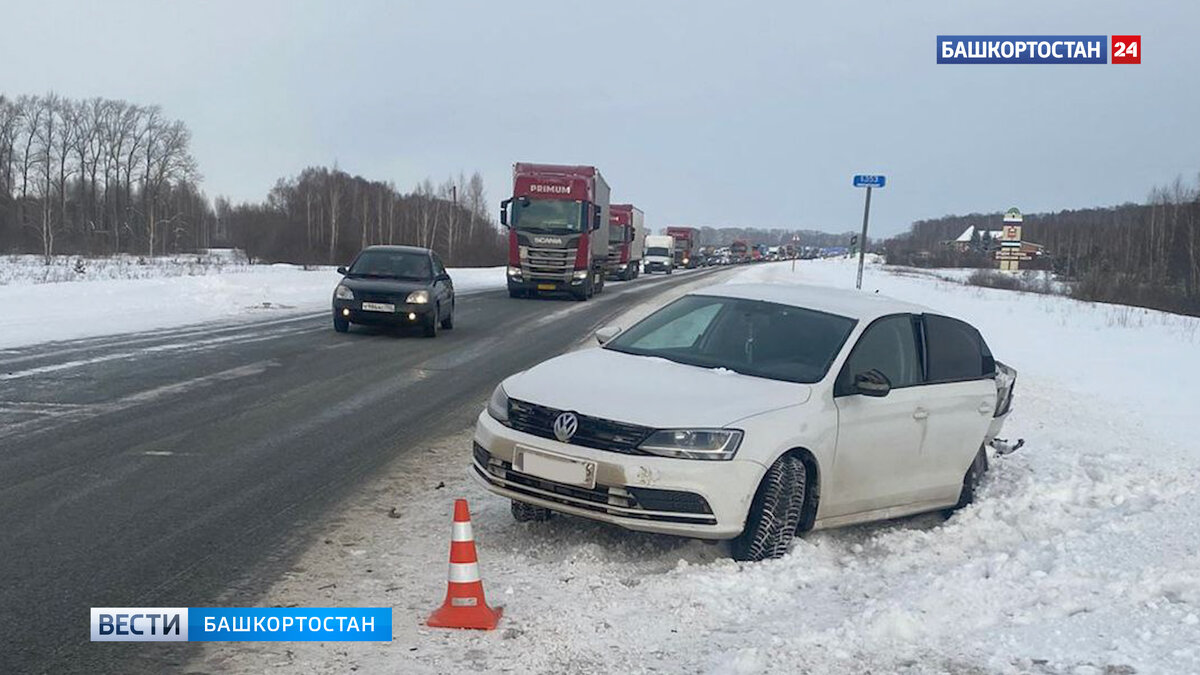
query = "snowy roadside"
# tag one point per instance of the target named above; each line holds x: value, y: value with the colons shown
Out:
x: 1081, y: 556
x: 35, y: 313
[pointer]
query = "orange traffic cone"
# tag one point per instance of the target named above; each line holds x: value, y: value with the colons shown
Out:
x: 465, y: 606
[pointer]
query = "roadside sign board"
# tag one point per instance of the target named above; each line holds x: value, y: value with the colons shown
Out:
x: 869, y: 181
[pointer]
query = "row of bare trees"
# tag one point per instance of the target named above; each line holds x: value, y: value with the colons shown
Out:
x: 96, y: 176
x: 1142, y: 254
x: 326, y: 215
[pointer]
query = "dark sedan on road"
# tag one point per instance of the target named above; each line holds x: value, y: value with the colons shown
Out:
x: 395, y: 286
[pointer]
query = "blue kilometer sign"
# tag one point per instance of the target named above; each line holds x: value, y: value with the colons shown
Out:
x: 869, y: 181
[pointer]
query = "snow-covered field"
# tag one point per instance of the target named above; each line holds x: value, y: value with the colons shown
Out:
x: 166, y: 297
x: 1082, y: 554
x: 32, y: 269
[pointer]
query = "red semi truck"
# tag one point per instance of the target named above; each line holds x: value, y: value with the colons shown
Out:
x: 557, y: 221
x: 626, y: 241
x: 686, y: 243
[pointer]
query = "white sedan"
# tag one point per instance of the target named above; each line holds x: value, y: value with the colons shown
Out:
x: 751, y: 413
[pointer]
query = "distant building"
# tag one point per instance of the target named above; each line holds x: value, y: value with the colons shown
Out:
x: 973, y: 238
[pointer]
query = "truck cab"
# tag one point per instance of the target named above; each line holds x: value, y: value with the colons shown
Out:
x: 557, y: 220
x: 626, y: 241
x: 660, y: 254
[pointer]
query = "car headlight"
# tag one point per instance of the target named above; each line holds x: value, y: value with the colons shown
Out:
x: 514, y: 271
x: 498, y: 405
x: 693, y: 443
x: 580, y: 274
x: 418, y: 297
x: 343, y: 293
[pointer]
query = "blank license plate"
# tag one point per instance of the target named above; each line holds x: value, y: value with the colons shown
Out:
x: 545, y: 287
x: 378, y: 307
x: 555, y: 467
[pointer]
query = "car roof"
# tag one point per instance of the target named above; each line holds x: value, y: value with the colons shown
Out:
x: 398, y: 249
x: 859, y: 305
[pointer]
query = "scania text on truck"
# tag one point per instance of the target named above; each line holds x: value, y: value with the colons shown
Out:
x: 686, y: 240
x: 626, y: 241
x: 659, y: 256
x: 557, y: 221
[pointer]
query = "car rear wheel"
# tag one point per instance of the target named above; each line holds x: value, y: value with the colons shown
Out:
x: 775, y: 513
x: 526, y: 513
x: 971, y: 481
x: 340, y: 325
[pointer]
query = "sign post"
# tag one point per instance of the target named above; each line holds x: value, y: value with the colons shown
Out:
x: 867, y: 181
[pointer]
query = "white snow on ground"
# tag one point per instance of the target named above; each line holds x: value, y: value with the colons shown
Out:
x: 41, y: 312
x: 1082, y: 554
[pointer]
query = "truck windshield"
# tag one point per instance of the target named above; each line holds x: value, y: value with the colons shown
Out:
x: 752, y: 337
x: 549, y: 215
x: 616, y: 234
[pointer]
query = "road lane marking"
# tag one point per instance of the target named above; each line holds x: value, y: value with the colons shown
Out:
x: 88, y: 411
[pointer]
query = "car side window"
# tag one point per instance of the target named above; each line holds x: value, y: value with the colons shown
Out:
x: 955, y: 351
x: 438, y: 267
x: 888, y: 345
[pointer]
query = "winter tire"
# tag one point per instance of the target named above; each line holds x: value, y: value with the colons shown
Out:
x: 431, y: 326
x: 775, y: 512
x: 971, y: 481
x: 340, y: 325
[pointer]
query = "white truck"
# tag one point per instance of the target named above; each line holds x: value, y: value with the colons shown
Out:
x: 659, y: 254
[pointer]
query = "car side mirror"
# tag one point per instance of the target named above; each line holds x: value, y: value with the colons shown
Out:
x: 872, y: 383
x: 342, y: 270
x: 442, y: 277
x: 596, y: 217
x: 504, y: 212
x: 607, y: 333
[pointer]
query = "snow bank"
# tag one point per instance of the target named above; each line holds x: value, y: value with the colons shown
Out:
x: 1081, y: 555
x: 34, y: 313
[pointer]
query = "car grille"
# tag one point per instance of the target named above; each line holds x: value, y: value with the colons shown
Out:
x: 548, y: 263
x: 593, y: 432
x: 383, y: 297
x: 629, y: 502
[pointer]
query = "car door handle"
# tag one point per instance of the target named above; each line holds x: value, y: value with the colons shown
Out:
x: 920, y: 414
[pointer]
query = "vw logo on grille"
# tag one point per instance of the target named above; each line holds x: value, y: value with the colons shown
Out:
x: 565, y: 426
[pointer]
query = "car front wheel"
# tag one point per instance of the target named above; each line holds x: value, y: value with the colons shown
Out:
x: 340, y: 325
x: 431, y: 325
x: 775, y: 513
x: 448, y: 322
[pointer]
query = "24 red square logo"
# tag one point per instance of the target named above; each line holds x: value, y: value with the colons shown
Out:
x: 1126, y: 49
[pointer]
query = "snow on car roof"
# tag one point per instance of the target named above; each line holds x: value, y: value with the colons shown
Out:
x: 860, y: 305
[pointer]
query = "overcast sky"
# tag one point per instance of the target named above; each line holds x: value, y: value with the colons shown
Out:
x: 752, y: 113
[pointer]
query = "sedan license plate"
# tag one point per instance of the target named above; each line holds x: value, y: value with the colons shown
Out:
x: 555, y: 467
x: 545, y: 287
x: 378, y: 307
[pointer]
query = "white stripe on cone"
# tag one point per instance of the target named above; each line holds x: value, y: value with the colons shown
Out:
x: 464, y: 573
x: 462, y: 532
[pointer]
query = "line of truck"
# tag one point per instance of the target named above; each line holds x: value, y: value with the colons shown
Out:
x: 564, y: 235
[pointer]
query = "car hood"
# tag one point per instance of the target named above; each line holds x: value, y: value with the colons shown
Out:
x: 389, y: 286
x: 650, y: 391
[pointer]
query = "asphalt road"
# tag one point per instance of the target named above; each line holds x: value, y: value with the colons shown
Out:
x: 179, y: 468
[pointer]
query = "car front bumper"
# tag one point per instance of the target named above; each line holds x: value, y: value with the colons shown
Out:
x: 406, y: 314
x: 690, y: 498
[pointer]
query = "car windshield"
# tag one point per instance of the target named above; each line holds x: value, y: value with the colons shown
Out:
x: 657, y: 250
x: 407, y: 265
x: 752, y: 337
x: 561, y: 216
